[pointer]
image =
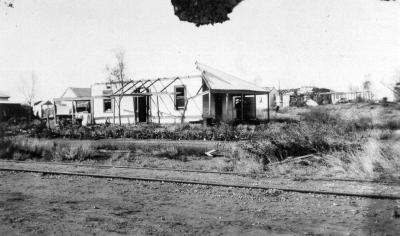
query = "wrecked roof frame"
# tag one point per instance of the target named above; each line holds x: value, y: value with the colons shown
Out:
x: 215, y: 80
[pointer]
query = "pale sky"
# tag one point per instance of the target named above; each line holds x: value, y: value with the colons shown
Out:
x: 326, y: 43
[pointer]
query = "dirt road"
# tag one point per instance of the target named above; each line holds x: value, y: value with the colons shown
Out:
x: 35, y: 204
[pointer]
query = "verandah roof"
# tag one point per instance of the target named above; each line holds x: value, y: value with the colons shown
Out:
x: 219, y: 81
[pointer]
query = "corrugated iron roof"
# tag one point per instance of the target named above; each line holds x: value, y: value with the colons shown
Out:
x: 218, y: 80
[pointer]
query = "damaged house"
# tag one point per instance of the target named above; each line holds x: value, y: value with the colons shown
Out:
x: 211, y: 96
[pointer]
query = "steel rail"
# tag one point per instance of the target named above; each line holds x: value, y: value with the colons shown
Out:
x: 300, y: 179
x: 175, y: 181
x: 132, y: 167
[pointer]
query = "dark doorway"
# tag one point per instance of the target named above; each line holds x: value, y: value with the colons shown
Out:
x: 142, y: 108
x: 218, y: 106
x: 243, y: 111
x: 82, y: 106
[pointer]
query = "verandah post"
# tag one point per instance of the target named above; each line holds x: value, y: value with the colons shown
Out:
x: 255, y: 106
x: 137, y: 110
x: 268, y: 106
x: 226, y: 107
x: 114, y: 110
x: 241, y: 108
x: 158, y: 110
x: 209, y: 103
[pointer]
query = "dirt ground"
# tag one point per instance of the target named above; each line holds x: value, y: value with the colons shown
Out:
x: 34, y: 204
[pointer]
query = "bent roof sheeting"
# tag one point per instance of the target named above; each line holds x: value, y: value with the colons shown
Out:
x: 222, y: 81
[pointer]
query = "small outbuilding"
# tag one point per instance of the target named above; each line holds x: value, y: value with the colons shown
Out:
x: 43, y: 109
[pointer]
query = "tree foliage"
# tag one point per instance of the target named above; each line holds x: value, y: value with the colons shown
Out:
x: 117, y: 77
x: 202, y: 12
x: 28, y: 89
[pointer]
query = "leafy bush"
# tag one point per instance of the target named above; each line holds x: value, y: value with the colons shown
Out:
x: 362, y: 123
x: 6, y: 149
x: 221, y: 132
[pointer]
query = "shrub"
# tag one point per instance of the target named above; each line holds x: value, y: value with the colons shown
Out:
x: 392, y: 124
x: 221, y: 132
x: 80, y: 152
x: 6, y: 149
x: 363, y: 123
x: 319, y: 115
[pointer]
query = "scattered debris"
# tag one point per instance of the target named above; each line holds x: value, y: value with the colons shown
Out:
x: 212, y: 153
x: 113, y: 151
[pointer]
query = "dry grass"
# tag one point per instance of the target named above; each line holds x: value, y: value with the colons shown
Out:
x: 377, y: 158
x: 185, y: 155
x: 354, y: 140
x: 33, y: 148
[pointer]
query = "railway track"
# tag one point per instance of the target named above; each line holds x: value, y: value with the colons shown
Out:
x: 191, y: 171
x: 205, y: 183
x: 134, y: 168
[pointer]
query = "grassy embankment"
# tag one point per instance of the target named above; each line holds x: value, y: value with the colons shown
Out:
x: 352, y: 141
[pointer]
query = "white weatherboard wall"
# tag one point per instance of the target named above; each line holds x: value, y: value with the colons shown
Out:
x: 262, y: 106
x: 100, y: 116
x: 262, y: 103
x: 166, y: 102
x: 65, y: 107
x: 283, y: 100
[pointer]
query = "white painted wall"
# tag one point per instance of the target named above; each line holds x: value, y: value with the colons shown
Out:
x: 99, y: 91
x: 64, y: 107
x: 283, y: 100
x: 262, y: 103
x: 166, y: 103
